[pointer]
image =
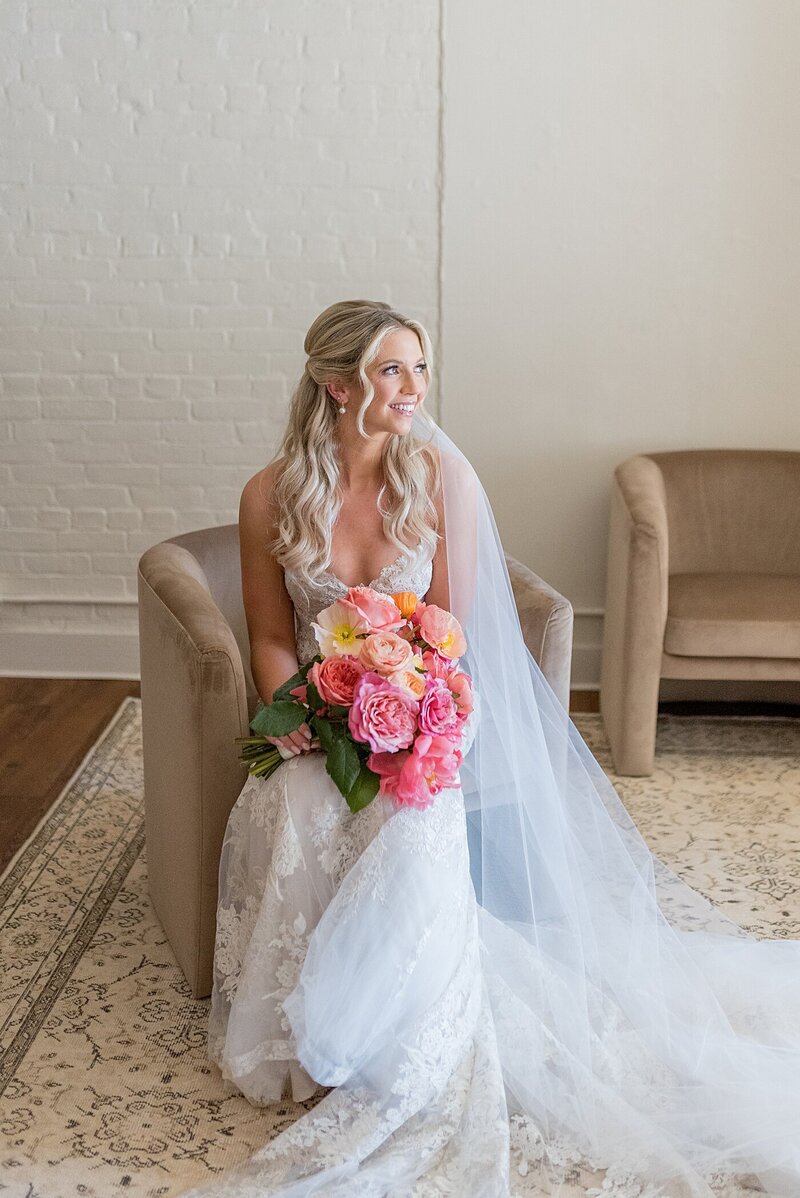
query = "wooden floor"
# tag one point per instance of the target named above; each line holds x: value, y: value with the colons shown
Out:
x: 47, y: 725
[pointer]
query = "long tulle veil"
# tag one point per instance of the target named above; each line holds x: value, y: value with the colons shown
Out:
x: 666, y: 1038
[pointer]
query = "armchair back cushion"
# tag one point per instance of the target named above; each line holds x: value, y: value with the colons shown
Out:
x: 732, y: 511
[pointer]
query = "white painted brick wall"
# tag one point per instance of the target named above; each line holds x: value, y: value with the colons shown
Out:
x: 184, y: 186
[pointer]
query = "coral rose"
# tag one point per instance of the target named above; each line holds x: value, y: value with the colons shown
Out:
x: 382, y: 715
x: 442, y: 631
x: 436, y: 665
x: 438, y: 714
x: 335, y: 678
x: 385, y: 652
x: 379, y: 612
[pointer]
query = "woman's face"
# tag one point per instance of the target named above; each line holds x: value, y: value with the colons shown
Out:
x: 399, y: 376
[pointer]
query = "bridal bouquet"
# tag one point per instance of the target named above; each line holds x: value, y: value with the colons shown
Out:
x: 384, y: 695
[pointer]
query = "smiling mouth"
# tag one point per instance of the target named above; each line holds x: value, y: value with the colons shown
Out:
x: 406, y: 408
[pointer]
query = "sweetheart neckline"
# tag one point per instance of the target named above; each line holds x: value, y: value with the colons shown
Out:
x: 349, y: 586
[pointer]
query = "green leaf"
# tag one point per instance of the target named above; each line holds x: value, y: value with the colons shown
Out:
x: 278, y: 719
x: 343, y: 764
x: 338, y: 711
x: 313, y: 697
x: 363, y: 790
x: 282, y: 692
x: 324, y: 730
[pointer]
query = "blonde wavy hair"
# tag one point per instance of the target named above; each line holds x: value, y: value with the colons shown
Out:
x: 341, y: 343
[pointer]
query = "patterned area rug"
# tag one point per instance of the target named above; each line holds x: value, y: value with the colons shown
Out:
x: 103, y: 1075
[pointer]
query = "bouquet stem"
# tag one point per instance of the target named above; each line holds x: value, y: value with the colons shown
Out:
x: 259, y: 755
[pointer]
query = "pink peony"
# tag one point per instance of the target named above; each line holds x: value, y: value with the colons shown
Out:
x: 335, y: 678
x: 385, y: 652
x: 438, y: 714
x: 460, y: 685
x: 442, y: 631
x: 382, y: 716
x: 379, y: 612
x: 412, y: 779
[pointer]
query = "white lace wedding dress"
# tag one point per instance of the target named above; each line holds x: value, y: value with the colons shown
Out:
x: 355, y: 942
x: 401, y: 948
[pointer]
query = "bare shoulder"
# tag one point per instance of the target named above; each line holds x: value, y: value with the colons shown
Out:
x: 255, y: 505
x: 456, y: 465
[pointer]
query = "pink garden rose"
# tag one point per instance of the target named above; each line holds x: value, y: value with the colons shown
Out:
x: 412, y: 779
x: 442, y: 631
x: 335, y: 678
x: 379, y: 612
x: 438, y: 714
x: 460, y: 685
x: 436, y: 665
x: 416, y: 615
x: 385, y: 652
x: 382, y: 716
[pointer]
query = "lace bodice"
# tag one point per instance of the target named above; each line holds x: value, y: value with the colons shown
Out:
x: 399, y: 575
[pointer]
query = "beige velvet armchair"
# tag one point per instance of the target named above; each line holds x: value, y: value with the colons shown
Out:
x: 703, y: 583
x: 198, y: 695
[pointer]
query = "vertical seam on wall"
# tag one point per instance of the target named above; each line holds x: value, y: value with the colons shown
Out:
x: 440, y: 221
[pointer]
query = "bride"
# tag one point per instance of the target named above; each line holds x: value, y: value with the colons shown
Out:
x: 508, y: 988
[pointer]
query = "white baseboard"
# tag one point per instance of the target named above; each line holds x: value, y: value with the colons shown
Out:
x: 48, y: 653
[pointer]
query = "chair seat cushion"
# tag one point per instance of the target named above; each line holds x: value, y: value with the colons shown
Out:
x: 733, y: 615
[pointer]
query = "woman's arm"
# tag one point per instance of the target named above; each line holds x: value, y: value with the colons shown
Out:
x: 267, y: 606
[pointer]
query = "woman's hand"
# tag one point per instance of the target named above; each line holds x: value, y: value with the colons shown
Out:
x: 294, y: 743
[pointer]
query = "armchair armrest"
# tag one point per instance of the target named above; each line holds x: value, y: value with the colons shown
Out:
x: 635, y: 614
x: 193, y: 706
x: 546, y: 618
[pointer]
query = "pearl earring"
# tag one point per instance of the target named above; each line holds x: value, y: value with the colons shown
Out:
x: 341, y: 410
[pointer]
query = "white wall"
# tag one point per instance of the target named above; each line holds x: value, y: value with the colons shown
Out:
x: 621, y: 260
x: 185, y: 187
x: 612, y: 262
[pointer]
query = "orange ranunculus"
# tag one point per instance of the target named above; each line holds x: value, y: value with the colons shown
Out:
x: 406, y: 601
x: 409, y: 680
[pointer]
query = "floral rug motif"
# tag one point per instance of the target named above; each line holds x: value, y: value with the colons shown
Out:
x: 104, y: 1084
x: 104, y: 1081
